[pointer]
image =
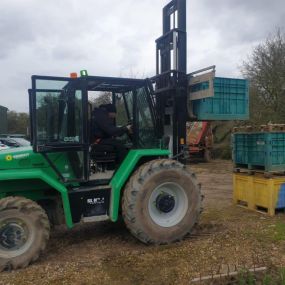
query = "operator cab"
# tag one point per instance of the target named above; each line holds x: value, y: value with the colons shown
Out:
x: 61, y: 122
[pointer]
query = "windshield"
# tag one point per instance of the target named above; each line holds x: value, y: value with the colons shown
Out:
x: 136, y: 107
x: 147, y: 136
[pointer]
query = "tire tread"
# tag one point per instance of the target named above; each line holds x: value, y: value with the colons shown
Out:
x: 134, y: 186
x: 26, y: 206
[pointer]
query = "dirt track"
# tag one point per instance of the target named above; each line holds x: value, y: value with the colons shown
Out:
x: 227, y: 237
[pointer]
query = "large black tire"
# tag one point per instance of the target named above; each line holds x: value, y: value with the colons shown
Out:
x: 138, y: 210
x: 24, y: 232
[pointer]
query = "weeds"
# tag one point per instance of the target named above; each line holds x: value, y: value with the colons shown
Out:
x: 279, y: 231
x: 246, y: 278
x: 272, y: 277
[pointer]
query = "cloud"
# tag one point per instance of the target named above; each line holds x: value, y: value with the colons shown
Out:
x: 225, y: 31
x: 117, y: 38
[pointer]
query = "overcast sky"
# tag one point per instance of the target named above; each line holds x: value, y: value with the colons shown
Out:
x: 117, y: 38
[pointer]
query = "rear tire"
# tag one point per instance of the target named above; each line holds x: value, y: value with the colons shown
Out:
x: 161, y: 202
x: 24, y: 232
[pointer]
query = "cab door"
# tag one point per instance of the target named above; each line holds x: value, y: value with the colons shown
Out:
x: 58, y: 112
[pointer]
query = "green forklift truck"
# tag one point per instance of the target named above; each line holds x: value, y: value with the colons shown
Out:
x: 65, y: 178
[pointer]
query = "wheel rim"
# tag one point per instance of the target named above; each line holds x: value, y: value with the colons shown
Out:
x: 15, y: 237
x: 168, y: 204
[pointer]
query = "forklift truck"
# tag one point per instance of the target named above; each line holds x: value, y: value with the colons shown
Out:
x: 62, y: 178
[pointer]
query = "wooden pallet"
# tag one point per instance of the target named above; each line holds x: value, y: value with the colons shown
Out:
x: 243, y: 129
x: 263, y: 210
x: 251, y: 170
x: 262, y: 128
x: 272, y: 128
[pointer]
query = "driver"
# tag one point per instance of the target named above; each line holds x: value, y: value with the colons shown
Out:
x: 105, y: 131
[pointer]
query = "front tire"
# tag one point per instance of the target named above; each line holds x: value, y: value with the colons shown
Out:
x: 24, y: 232
x: 161, y: 202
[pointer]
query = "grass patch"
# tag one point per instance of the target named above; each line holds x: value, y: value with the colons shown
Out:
x: 265, y: 233
x: 246, y: 278
x: 279, y: 231
x: 272, y: 277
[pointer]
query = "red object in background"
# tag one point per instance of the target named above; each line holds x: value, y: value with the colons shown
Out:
x: 200, y: 139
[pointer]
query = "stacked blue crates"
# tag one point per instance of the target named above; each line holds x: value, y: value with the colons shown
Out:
x: 230, y: 100
x: 264, y: 150
x: 261, y: 155
x: 240, y: 148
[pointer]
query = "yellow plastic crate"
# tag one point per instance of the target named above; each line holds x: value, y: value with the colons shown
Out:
x: 259, y: 193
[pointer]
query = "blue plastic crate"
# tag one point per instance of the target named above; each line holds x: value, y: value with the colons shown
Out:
x: 240, y: 148
x: 267, y: 150
x: 281, y: 198
x: 230, y: 100
x: 260, y: 150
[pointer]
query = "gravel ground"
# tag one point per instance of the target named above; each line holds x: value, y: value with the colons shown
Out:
x: 227, y: 238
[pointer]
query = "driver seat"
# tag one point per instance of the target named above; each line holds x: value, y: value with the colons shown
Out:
x: 101, y: 153
x: 102, y: 158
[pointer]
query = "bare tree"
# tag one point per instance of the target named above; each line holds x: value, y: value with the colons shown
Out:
x: 266, y: 70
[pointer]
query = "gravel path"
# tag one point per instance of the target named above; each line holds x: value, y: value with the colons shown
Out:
x: 227, y: 238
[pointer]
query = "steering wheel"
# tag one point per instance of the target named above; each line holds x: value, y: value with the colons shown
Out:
x: 130, y: 136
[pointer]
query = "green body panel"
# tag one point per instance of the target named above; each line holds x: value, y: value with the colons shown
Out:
x: 123, y: 173
x: 24, y: 158
x: 28, y: 174
x: 40, y: 174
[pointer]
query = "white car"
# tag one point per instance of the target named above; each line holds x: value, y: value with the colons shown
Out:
x: 3, y: 146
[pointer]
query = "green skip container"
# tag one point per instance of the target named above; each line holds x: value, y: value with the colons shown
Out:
x: 259, y: 150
